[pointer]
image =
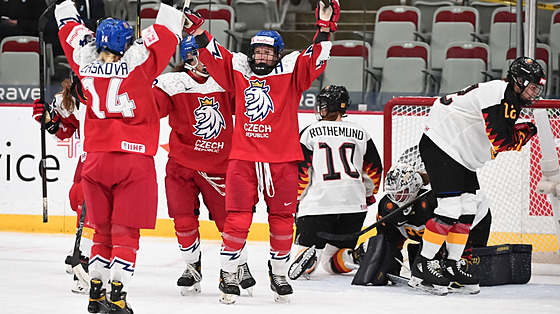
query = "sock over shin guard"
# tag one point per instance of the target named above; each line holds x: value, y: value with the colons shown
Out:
x: 281, y: 227
x: 434, y: 235
x: 123, y: 259
x: 188, y: 237
x: 234, y: 236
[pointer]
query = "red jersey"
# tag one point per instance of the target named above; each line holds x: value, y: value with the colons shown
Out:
x: 266, y: 120
x: 200, y: 116
x: 121, y: 111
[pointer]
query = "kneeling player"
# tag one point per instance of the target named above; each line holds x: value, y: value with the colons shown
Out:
x: 341, y: 167
x: 383, y: 251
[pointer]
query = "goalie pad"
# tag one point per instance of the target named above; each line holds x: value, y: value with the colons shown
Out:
x: 379, y: 259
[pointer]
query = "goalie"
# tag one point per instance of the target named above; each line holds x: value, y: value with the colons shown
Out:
x: 383, y: 255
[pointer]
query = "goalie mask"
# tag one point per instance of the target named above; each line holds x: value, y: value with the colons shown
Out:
x: 402, y: 183
x: 333, y: 98
x: 270, y: 57
x: 189, y: 55
x: 114, y: 36
x: 529, y: 77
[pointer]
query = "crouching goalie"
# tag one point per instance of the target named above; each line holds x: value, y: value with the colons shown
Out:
x: 383, y: 251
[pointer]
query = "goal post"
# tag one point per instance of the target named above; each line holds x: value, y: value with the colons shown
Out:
x: 519, y: 213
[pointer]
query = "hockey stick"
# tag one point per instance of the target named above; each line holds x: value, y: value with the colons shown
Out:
x: 352, y: 236
x: 138, y: 9
x: 41, y: 25
x: 398, y: 280
x: 79, y: 271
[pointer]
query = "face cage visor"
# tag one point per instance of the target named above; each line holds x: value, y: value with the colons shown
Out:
x: 530, y: 92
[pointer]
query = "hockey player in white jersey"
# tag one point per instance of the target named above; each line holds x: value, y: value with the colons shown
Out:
x: 464, y: 131
x: 337, y: 182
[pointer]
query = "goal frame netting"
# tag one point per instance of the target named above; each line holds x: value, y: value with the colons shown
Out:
x: 519, y: 214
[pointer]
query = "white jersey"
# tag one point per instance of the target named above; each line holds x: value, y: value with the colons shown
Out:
x: 475, y: 124
x: 341, y: 168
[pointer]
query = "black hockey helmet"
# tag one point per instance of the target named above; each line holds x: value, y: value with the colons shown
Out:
x: 333, y: 98
x: 525, y: 70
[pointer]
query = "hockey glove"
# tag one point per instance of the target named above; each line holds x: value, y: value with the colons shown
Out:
x: 525, y: 131
x: 193, y: 21
x: 51, y: 117
x: 328, y: 16
x: 370, y: 200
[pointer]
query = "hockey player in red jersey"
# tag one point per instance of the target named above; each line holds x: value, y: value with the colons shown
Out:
x: 338, y: 178
x: 62, y: 120
x: 464, y: 131
x: 265, y: 149
x: 201, y: 117
x: 121, y: 137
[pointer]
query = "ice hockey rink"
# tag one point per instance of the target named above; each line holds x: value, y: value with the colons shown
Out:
x: 33, y: 280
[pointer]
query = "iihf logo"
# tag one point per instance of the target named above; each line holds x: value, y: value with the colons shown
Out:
x: 209, y: 120
x: 257, y: 101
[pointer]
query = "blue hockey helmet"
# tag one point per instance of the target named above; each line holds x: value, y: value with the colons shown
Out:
x: 188, y: 45
x: 265, y: 38
x: 113, y: 35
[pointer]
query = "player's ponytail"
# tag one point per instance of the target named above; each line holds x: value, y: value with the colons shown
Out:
x: 68, y: 101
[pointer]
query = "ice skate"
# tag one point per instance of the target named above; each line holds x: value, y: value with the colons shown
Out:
x: 97, y: 299
x: 427, y: 276
x: 189, y: 282
x: 229, y: 286
x: 280, y: 286
x: 304, y: 264
x: 246, y: 280
x: 359, y: 253
x: 460, y: 280
x: 119, y: 305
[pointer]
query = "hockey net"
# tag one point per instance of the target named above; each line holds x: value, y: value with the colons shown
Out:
x: 519, y: 213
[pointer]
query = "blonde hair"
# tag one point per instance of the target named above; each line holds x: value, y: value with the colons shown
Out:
x: 106, y: 57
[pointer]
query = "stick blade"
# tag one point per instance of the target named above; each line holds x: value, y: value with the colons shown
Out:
x: 82, y: 275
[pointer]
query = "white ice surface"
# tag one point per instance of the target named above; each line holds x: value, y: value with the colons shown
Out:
x: 33, y: 280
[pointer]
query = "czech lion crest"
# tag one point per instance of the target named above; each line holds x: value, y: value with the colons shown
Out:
x: 209, y: 120
x: 258, y: 103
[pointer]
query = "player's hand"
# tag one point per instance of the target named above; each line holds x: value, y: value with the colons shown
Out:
x: 38, y: 110
x: 193, y: 21
x: 370, y: 200
x: 525, y: 131
x: 327, y: 16
x: 51, y: 117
